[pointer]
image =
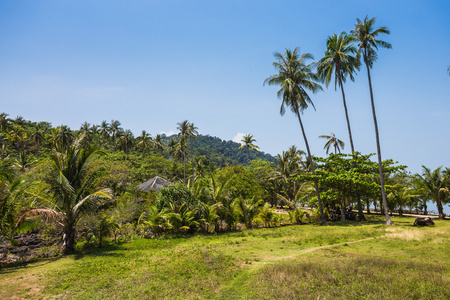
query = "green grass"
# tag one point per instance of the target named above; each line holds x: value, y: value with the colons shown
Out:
x: 337, y: 261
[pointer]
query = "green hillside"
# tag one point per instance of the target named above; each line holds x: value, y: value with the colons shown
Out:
x: 221, y: 152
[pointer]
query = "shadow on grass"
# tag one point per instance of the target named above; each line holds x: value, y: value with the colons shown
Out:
x: 14, y: 266
x: 107, y: 250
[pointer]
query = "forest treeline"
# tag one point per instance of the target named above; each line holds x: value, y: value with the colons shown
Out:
x: 81, y: 185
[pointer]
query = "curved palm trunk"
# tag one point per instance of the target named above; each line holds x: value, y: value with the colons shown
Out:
x: 380, y: 166
x: 322, y: 217
x: 361, y: 216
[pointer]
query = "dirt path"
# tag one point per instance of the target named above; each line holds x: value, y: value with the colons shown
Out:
x: 271, y: 259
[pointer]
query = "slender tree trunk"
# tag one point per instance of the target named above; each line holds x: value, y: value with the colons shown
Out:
x: 184, y: 166
x: 380, y: 166
x: 361, y: 216
x: 322, y: 216
x: 439, y: 207
x: 68, y: 245
x: 193, y: 170
x: 343, y: 210
x: 425, y: 211
x: 346, y: 115
x: 368, y: 207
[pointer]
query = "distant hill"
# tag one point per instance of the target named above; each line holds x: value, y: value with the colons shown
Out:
x: 221, y: 152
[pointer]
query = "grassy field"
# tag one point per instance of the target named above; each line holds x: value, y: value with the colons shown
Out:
x: 337, y: 261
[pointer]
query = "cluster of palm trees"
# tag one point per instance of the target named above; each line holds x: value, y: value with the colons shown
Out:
x: 20, y: 136
x: 342, y: 59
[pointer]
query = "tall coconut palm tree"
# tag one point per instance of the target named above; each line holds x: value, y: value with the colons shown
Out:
x: 114, y: 128
x: 340, y: 61
x: 70, y: 194
x: 295, y: 77
x: 37, y: 134
x: 104, y: 131
x: 4, y: 122
x: 159, y: 144
x: 63, y: 136
x: 144, y: 141
x: 366, y: 36
x: 187, y: 131
x: 332, y: 141
x: 247, y: 142
x: 126, y: 140
x: 172, y: 149
x: 17, y: 136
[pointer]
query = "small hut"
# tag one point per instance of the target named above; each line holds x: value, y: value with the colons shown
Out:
x: 154, y: 184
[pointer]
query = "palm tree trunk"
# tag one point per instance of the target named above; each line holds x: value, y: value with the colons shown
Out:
x: 184, y: 166
x: 68, y: 245
x: 439, y: 207
x: 361, y: 216
x: 322, y: 217
x: 425, y: 211
x: 380, y: 166
x: 346, y: 115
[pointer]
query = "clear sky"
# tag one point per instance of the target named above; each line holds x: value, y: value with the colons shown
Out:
x: 152, y: 64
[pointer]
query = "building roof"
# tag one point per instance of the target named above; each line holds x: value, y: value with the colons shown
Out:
x: 155, y: 184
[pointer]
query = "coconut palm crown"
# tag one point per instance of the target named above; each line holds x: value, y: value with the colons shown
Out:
x: 340, y: 61
x: 248, y: 142
x: 295, y: 78
x: 332, y: 141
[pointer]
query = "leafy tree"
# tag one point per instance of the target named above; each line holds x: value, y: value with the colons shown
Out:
x: 332, y: 140
x: 70, y: 195
x: 343, y: 176
x: 295, y: 78
x: 366, y: 36
x: 248, y: 142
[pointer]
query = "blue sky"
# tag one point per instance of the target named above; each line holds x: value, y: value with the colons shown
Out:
x: 152, y: 64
